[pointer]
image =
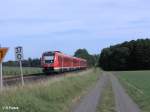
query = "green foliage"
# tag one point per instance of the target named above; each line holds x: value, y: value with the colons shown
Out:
x: 133, y: 55
x: 137, y: 85
x: 48, y: 96
x: 91, y: 59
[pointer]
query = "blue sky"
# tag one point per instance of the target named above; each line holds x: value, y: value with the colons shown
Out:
x: 66, y: 25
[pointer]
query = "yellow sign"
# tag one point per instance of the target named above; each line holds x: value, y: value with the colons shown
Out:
x: 3, y: 52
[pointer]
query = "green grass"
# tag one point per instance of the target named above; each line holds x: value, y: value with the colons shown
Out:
x: 137, y: 84
x: 107, y: 103
x: 11, y: 71
x: 48, y: 96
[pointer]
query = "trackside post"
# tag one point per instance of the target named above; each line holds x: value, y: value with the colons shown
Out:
x: 22, y: 80
x: 19, y: 58
x: 3, y: 52
x: 1, y: 76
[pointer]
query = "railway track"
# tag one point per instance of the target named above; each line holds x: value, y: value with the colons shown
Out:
x: 16, y: 80
x: 10, y: 81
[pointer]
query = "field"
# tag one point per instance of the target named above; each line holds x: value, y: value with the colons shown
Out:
x: 137, y: 84
x: 55, y: 95
x: 11, y: 71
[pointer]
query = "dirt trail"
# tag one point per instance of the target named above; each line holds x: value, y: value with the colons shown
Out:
x: 123, y: 102
x: 89, y: 102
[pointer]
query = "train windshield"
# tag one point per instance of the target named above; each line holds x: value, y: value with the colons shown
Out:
x: 49, y: 57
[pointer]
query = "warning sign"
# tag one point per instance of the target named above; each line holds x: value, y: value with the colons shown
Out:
x: 3, y: 52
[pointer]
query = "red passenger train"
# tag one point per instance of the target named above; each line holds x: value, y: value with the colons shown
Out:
x: 55, y: 61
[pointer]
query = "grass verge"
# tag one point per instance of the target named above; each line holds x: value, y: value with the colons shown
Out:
x: 137, y: 84
x: 49, y: 96
x: 107, y: 102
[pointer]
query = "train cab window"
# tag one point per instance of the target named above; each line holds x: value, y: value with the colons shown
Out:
x: 49, y: 57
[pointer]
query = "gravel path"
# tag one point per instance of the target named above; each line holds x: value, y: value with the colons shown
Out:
x: 123, y: 102
x: 89, y: 102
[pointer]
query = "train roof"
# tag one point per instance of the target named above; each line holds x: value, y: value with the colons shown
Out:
x: 65, y: 55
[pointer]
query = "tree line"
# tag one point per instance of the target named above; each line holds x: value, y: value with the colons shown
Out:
x: 132, y: 55
x: 92, y: 60
x: 25, y: 63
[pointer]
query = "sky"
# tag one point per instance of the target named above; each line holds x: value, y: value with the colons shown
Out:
x: 67, y: 25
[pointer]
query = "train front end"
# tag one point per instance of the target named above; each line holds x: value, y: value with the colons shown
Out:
x: 48, y: 62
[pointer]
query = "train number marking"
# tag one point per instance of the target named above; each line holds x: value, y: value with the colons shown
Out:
x: 19, y: 53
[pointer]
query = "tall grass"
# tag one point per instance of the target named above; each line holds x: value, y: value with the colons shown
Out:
x: 48, y: 96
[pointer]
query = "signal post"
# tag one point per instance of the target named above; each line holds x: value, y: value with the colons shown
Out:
x: 19, y: 58
x: 3, y: 52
